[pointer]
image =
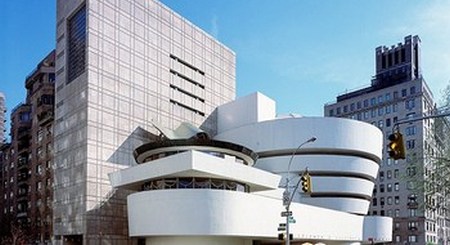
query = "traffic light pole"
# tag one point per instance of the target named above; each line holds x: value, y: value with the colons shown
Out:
x: 287, y: 196
x: 445, y: 114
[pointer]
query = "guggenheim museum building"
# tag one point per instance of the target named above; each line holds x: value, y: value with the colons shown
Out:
x: 226, y: 188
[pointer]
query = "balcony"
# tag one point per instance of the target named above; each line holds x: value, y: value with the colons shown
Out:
x: 45, y: 117
x: 23, y: 133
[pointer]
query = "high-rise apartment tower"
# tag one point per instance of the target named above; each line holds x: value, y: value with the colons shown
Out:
x: 399, y: 92
x: 26, y: 163
x: 121, y: 68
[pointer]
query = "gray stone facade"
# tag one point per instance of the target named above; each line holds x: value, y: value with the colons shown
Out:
x: 399, y: 92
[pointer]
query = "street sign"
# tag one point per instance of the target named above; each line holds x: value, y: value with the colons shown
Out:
x: 286, y: 197
x: 286, y: 213
x: 282, y: 224
x: 281, y: 228
x: 292, y: 221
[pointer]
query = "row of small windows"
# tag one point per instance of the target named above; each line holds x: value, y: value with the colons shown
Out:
x: 411, y: 239
x: 25, y: 206
x: 195, y: 183
x: 389, y: 187
x: 385, y: 110
x: 395, y: 213
x: 409, y: 104
x: 390, y: 201
x: 389, y: 174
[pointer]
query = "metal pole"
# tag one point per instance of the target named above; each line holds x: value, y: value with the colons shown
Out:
x: 288, y: 239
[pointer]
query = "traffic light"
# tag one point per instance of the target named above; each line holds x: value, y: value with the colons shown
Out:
x: 396, y: 147
x: 282, y: 236
x: 306, y: 182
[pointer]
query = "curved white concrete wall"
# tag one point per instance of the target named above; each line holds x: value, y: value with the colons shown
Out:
x: 196, y: 240
x: 343, y: 161
x: 332, y: 134
x: 235, y: 217
x: 375, y: 227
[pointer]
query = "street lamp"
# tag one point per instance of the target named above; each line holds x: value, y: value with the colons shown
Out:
x: 287, y: 197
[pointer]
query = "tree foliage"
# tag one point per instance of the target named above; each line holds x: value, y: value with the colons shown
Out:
x: 431, y: 175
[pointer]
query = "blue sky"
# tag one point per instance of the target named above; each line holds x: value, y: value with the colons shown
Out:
x: 300, y: 53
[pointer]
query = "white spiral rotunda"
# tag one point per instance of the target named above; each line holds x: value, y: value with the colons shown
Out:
x: 227, y: 189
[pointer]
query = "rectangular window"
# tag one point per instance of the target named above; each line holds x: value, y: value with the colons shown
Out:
x: 76, y: 29
x: 388, y: 109
x: 373, y: 101
x: 366, y: 103
x: 412, y: 90
x: 380, y: 111
x: 380, y: 124
x: 410, y: 144
x: 380, y: 99
x: 412, y: 238
x: 395, y: 95
x: 389, y: 189
x: 409, y: 104
x: 403, y: 92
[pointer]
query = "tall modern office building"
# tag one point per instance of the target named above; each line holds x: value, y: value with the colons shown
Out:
x: 2, y: 118
x: 121, y: 68
x: 399, y: 92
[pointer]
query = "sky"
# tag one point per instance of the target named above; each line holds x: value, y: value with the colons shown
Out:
x: 301, y: 53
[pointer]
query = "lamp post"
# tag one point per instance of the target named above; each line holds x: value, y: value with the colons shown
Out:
x: 287, y: 196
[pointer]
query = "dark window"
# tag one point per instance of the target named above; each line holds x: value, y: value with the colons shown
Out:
x: 331, y: 113
x: 51, y: 77
x: 366, y: 103
x: 412, y: 90
x: 396, y: 57
x: 388, y: 122
x: 76, y: 28
x: 403, y: 54
x: 403, y: 92
x: 395, y: 94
